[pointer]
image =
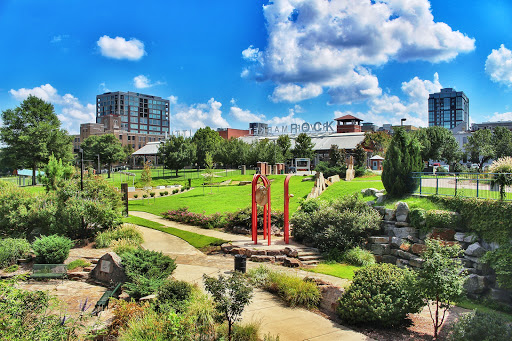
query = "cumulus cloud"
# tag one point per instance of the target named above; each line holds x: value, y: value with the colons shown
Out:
x: 120, y: 48
x: 506, y: 116
x: 72, y: 112
x: 245, y: 116
x: 316, y: 44
x: 198, y: 116
x: 143, y: 82
x: 499, y: 66
x: 173, y: 99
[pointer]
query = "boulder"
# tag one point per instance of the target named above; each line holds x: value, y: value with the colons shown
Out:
x: 380, y: 209
x: 389, y: 259
x: 402, y: 210
x: 416, y: 262
x: 380, y: 249
x: 109, y: 269
x: 257, y: 258
x: 475, y: 250
x: 402, y: 224
x: 502, y: 296
x: 226, y: 247
x: 404, y: 232
x: 395, y: 242
x: 402, y: 263
x: 484, y: 269
x: 273, y: 252
x: 405, y: 255
x: 490, y: 246
x: 443, y: 234
x: 370, y: 203
x: 330, y: 297
x: 476, y: 284
x: 292, y: 262
x: 280, y: 258
x: 466, y: 238
x: 418, y: 248
x: 380, y: 197
x: 368, y: 192
x: 390, y: 214
x: 378, y: 240
x: 290, y: 252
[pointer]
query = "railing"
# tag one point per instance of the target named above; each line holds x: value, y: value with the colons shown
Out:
x: 476, y: 185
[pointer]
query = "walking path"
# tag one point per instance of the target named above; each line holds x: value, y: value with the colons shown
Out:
x: 291, y: 324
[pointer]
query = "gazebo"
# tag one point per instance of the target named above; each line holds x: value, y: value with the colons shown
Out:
x: 376, y: 162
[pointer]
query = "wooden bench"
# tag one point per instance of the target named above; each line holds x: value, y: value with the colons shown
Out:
x: 42, y: 271
x: 103, y: 301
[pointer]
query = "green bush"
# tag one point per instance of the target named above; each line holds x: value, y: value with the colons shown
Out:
x: 135, y: 196
x: 174, y: 191
x: 162, y: 194
x: 144, y: 196
x: 477, y: 326
x: 166, y: 192
x: 52, y: 249
x: 329, y: 170
x: 359, y: 257
x: 174, y: 294
x: 243, y: 218
x: 417, y: 216
x: 380, y: 294
x: 12, y: 249
x: 12, y: 268
x: 338, y: 225
x: 441, y: 219
x: 125, y: 231
x: 240, y: 332
x: 121, y: 246
x: 501, y: 261
x: 78, y: 263
x: 152, y: 194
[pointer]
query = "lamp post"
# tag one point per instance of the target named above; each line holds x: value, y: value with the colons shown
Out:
x: 81, y: 169
x: 99, y: 169
x: 402, y: 121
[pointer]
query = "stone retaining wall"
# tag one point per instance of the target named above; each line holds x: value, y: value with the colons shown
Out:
x: 287, y: 256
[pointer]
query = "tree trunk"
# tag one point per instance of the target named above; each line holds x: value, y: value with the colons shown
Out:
x: 109, y: 168
x: 229, y: 330
x: 34, y: 175
x: 177, y: 170
x: 436, y: 324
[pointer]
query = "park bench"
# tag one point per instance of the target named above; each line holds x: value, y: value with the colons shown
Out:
x: 42, y: 271
x: 103, y: 301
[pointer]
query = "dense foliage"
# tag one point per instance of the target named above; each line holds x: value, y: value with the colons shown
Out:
x: 177, y: 152
x: 173, y: 295
x: 380, y: 294
x: 478, y: 326
x: 335, y: 226
x: 12, y: 249
x: 330, y: 170
x: 127, y: 232
x: 501, y: 261
x: 402, y: 158
x: 52, y: 249
x: 243, y: 218
x: 183, y: 215
x: 503, y: 177
x: 359, y: 257
x: 107, y: 146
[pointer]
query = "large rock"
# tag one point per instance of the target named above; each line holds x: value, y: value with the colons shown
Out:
x: 418, y: 248
x: 416, y: 262
x: 490, y: 246
x: 390, y: 214
x: 378, y: 240
x: 476, y: 284
x: 475, y: 250
x: 395, y: 242
x: 389, y: 259
x: 292, y: 262
x: 405, y: 232
x: 368, y: 192
x: 443, y: 234
x: 502, y: 296
x: 380, y: 198
x: 330, y: 297
x: 466, y: 238
x: 405, y: 255
x: 380, y: 249
x: 109, y: 269
x: 402, y: 210
x: 380, y: 209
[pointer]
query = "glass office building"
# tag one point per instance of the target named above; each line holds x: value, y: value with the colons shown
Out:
x: 138, y: 113
x: 448, y: 109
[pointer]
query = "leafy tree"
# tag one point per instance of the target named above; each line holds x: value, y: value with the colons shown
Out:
x: 451, y: 153
x: 31, y: 133
x: 377, y: 142
x: 209, y: 169
x: 274, y: 154
x: 303, y: 147
x: 501, y: 261
x: 177, y: 152
x: 128, y: 151
x: 480, y: 147
x: 503, y: 177
x: 206, y: 140
x: 55, y: 172
x: 234, y: 152
x: 433, y: 141
x: 402, y: 158
x: 502, y: 142
x: 441, y: 279
x: 284, y: 142
x: 107, y: 146
x: 359, y: 157
x: 145, y: 176
x: 337, y: 156
x: 231, y: 295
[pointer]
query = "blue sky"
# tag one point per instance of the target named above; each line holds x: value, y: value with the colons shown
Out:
x: 225, y: 64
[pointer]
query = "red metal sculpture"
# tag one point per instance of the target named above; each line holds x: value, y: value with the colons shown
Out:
x: 264, y: 200
x: 287, y: 209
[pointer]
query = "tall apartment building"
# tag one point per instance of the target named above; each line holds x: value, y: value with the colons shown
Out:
x: 137, y: 113
x: 448, y: 109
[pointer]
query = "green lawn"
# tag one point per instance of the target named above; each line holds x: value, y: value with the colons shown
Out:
x: 335, y: 269
x: 343, y: 188
x: 415, y: 202
x: 225, y: 198
x: 469, y: 304
x: 196, y: 240
x: 34, y: 189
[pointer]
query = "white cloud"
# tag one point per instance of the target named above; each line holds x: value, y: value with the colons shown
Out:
x: 198, y: 116
x: 120, y: 48
x: 143, y: 82
x: 295, y: 93
x: 499, y: 66
x: 285, y: 120
x: 506, y: 116
x: 334, y: 45
x: 103, y: 87
x: 173, y: 99
x: 72, y: 112
x: 245, y: 115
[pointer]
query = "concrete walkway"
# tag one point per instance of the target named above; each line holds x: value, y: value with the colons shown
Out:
x: 291, y: 324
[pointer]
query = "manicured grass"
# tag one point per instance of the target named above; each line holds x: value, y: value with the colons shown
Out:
x: 335, y: 269
x: 368, y: 178
x: 343, y: 188
x: 469, y: 304
x: 34, y: 189
x: 415, y: 202
x: 225, y: 198
x: 196, y: 240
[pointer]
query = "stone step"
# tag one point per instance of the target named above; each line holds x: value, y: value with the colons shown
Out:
x: 88, y: 269
x: 79, y: 275
x: 302, y: 254
x: 311, y: 257
x: 311, y: 262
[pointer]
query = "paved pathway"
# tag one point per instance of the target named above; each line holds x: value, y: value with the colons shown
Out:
x: 291, y: 324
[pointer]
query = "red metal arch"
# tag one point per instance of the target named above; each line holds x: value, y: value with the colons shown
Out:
x: 287, y: 209
x: 267, y: 232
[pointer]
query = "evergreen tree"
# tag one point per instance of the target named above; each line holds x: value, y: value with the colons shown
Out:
x: 284, y: 142
x: 402, y: 157
x: 303, y: 147
x: 337, y: 156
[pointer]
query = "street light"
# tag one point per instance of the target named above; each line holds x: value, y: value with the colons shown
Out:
x: 402, y: 121
x: 99, y: 170
x: 81, y: 169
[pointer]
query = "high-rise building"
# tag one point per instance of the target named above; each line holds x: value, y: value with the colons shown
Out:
x: 137, y: 113
x: 448, y: 109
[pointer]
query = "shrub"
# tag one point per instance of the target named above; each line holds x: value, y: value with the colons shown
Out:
x: 125, y: 231
x: 135, y: 196
x: 205, y: 221
x: 441, y: 219
x: 124, y: 245
x: 503, y: 177
x: 78, y: 263
x: 162, y: 194
x: 243, y: 218
x: 338, y: 225
x: 144, y: 196
x: 241, y: 332
x: 123, y: 312
x: 380, y: 294
x: 12, y: 249
x: 174, y: 191
x: 477, y: 325
x: 329, y: 170
x: 166, y: 192
x: 359, y: 257
x: 417, y: 216
x: 501, y: 261
x: 152, y: 194
x: 174, y: 294
x: 12, y: 268
x: 402, y: 158
x: 441, y: 170
x: 52, y: 249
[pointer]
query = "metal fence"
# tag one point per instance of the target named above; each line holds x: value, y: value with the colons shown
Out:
x: 475, y: 185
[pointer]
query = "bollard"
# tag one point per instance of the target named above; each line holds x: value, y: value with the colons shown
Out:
x: 240, y: 263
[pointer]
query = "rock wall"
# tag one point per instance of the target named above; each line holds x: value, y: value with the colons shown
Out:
x: 401, y: 244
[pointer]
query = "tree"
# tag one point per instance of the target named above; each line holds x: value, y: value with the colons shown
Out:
x: 177, y: 152
x: 433, y: 140
x: 128, y: 151
x: 284, y: 142
x: 337, y: 157
x: 480, y: 147
x: 402, y: 158
x: 31, y: 133
x: 359, y: 157
x: 441, y: 279
x: 303, y: 147
x: 234, y: 152
x: 502, y: 142
x: 54, y: 172
x: 209, y: 169
x: 107, y: 146
x: 377, y: 142
x: 503, y: 174
x: 451, y: 153
x: 206, y: 140
x: 231, y: 295
x: 145, y: 176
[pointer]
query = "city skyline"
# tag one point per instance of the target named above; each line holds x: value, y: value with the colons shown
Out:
x: 280, y: 62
